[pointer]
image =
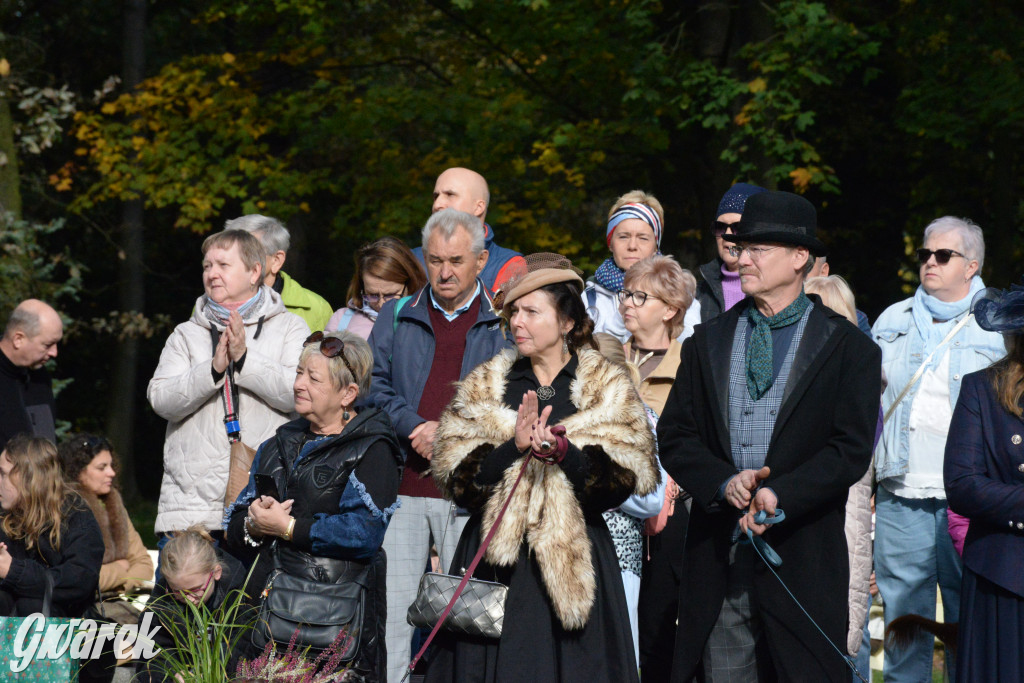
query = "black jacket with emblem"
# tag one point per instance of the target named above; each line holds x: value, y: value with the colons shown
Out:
x: 820, y: 446
x: 317, y: 483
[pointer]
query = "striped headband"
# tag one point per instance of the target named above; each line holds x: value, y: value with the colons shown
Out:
x: 632, y: 210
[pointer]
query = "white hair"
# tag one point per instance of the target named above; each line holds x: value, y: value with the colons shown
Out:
x: 272, y: 234
x: 448, y: 221
x: 971, y: 239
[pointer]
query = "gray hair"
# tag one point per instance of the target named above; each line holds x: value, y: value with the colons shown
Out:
x: 25, y: 320
x: 448, y: 221
x: 357, y: 352
x: 272, y: 233
x: 971, y: 238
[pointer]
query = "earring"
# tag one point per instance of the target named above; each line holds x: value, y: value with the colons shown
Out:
x: 345, y: 415
x: 565, y: 344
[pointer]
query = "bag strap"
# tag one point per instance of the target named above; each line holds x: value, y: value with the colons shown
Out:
x: 924, y: 366
x: 398, y: 309
x: 469, y: 572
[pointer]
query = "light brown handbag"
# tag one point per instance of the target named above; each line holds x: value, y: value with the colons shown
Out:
x: 239, y: 464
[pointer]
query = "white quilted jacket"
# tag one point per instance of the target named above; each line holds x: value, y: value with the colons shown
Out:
x: 183, y: 392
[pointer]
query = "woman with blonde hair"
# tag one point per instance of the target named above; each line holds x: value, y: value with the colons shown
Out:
x: 46, y: 529
x: 837, y: 295
x: 655, y: 297
x: 193, y: 570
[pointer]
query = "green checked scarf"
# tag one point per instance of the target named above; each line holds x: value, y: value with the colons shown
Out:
x: 759, y: 346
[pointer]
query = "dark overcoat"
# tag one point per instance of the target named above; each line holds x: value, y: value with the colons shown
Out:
x: 820, y: 446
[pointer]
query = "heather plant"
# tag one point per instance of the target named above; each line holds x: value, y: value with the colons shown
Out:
x: 294, y: 664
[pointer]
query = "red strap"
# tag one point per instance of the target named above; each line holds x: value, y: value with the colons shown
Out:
x: 469, y: 572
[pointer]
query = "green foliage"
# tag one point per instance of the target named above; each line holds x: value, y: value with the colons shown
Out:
x: 205, y: 639
x: 344, y: 115
x: 32, y: 265
x: 766, y: 105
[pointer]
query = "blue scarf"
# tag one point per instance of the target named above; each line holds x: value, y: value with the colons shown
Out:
x: 609, y: 275
x: 926, y: 309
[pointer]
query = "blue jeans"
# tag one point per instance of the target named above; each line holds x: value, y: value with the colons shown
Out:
x: 913, y: 552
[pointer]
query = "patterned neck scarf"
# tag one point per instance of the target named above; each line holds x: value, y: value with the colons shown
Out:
x: 759, y: 346
x: 609, y: 275
x: 219, y: 315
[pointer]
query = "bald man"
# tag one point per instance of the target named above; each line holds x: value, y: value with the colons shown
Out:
x: 466, y: 190
x: 26, y: 392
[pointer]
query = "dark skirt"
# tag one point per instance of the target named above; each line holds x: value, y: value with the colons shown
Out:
x: 991, y: 641
x: 534, y: 648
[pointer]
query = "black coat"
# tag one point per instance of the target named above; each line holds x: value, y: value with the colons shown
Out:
x: 26, y: 402
x: 75, y: 566
x: 709, y: 290
x: 820, y: 447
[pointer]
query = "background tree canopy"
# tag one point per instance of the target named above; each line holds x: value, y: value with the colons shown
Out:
x: 336, y: 116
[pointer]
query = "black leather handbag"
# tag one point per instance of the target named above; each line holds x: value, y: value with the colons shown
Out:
x: 314, y: 612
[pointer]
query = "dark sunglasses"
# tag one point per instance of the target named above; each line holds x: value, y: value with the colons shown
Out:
x: 718, y: 228
x: 942, y: 256
x: 332, y: 347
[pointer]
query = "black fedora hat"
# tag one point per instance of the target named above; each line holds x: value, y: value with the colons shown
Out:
x: 781, y: 217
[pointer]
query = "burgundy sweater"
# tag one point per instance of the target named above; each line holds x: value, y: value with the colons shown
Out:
x: 445, y: 371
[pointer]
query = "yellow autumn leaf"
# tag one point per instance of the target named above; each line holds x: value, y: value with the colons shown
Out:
x: 108, y: 108
x: 757, y: 85
x: 801, y: 178
x: 5, y: 68
x: 228, y: 58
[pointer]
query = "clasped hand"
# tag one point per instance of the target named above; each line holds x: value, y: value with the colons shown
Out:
x: 742, y: 492
x: 269, y: 517
x: 231, y: 345
x: 532, y: 429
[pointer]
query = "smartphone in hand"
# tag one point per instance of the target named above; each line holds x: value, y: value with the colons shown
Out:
x: 266, y: 486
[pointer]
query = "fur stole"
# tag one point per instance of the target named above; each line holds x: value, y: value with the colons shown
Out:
x: 112, y: 517
x: 612, y: 430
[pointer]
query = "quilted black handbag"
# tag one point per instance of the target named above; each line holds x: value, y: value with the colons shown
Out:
x: 319, y: 611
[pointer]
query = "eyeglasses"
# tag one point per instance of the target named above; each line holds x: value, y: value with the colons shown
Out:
x: 756, y: 253
x: 374, y: 299
x: 942, y: 256
x: 718, y: 228
x: 639, y: 298
x: 332, y: 347
x: 187, y: 594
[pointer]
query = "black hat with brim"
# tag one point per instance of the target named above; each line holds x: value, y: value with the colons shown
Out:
x: 781, y: 217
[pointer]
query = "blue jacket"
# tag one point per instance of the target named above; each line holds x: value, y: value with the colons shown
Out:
x: 984, y: 474
x: 902, y: 353
x: 403, y: 353
x: 497, y: 259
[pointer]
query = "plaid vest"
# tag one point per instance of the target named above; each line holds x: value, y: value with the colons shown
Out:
x: 751, y: 422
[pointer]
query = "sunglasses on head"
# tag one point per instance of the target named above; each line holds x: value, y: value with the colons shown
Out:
x: 718, y: 228
x: 332, y: 347
x: 942, y: 256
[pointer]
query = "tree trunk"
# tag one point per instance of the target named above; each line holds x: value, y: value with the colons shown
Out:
x: 121, y: 412
x: 10, y: 193
x: 999, y: 236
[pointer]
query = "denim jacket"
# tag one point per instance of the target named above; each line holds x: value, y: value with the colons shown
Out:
x: 903, y: 351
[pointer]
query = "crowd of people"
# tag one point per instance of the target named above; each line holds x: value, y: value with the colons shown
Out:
x: 645, y: 475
